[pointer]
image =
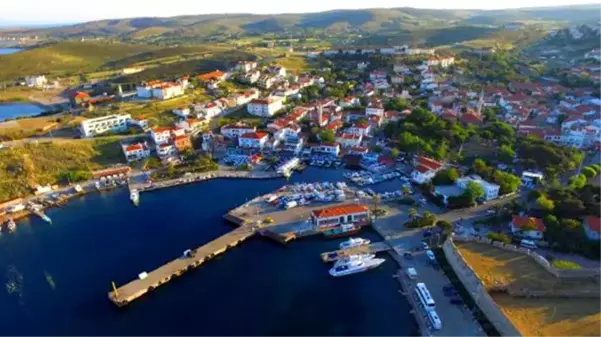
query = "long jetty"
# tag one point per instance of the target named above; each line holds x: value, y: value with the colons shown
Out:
x: 129, y: 292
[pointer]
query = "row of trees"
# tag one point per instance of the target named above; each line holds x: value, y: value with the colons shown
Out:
x: 508, y: 182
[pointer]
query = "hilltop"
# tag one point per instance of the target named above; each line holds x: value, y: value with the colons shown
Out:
x: 365, y: 20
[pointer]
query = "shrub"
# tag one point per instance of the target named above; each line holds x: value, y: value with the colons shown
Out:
x: 501, y: 237
x: 565, y: 264
x: 589, y: 172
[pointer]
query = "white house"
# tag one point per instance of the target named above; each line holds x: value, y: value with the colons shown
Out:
x: 362, y: 65
x: 266, y: 81
x: 360, y: 129
x: 190, y: 124
x: 520, y: 225
x: 144, y: 91
x: 377, y: 75
x: 246, y: 66
x: 592, y: 226
x: 135, y: 151
x: 443, y: 62
x: 349, y: 102
x: 375, y: 108
x: 245, y: 97
x: 381, y: 84
x: 255, y: 140
x: 397, y: 79
x: 36, y: 81
x: 264, y: 107
x: 424, y: 169
x: 167, y: 91
x: 95, y: 126
x: 161, y: 135
x: 208, y: 110
x: 232, y: 131
x: 166, y: 150
x: 325, y: 218
x: 348, y: 140
x: 183, y: 112
x: 327, y: 148
x: 491, y: 191
x: 251, y: 77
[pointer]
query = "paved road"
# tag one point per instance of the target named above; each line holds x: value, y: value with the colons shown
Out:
x: 456, y: 320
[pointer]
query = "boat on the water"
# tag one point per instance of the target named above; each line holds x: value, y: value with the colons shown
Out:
x: 355, y: 257
x: 354, y: 266
x: 78, y: 188
x: 354, y: 242
x: 97, y: 185
x: 134, y: 196
x: 343, y: 230
x: 45, y: 217
x: 11, y: 225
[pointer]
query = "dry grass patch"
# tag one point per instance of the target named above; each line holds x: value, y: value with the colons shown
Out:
x: 550, y: 316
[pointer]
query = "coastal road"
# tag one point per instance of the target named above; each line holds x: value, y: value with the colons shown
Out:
x: 457, y: 320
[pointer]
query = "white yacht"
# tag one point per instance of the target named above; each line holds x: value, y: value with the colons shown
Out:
x: 134, y: 196
x: 11, y: 225
x: 354, y: 242
x: 356, y: 257
x: 355, y: 266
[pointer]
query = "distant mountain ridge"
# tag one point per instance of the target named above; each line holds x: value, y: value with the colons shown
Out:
x: 377, y: 20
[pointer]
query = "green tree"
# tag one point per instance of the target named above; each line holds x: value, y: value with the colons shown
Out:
x: 501, y: 237
x: 474, y: 191
x: 445, y: 226
x: 506, y: 154
x: 577, y: 181
x: 327, y: 136
x: 479, y: 166
x: 446, y: 177
x: 545, y: 203
x: 588, y: 172
x: 412, y: 212
x: 394, y: 153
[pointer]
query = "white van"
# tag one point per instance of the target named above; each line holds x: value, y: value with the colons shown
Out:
x: 434, y: 320
x: 412, y: 273
x: 528, y: 244
x: 430, y: 255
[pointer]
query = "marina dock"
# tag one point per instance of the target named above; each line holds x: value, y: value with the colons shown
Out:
x: 127, y: 293
x: 363, y: 249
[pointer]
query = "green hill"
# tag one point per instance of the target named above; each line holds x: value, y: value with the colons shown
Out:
x: 364, y: 20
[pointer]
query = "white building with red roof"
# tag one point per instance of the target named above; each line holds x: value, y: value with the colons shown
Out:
x: 348, y: 140
x: 349, y: 102
x: 325, y: 218
x: 135, y: 151
x: 264, y: 107
x: 375, y: 108
x: 232, y: 131
x: 167, y: 90
x: 166, y: 150
x: 360, y: 128
x: 161, y: 135
x: 331, y: 148
x: 254, y: 140
x: 528, y: 227
x: 424, y: 169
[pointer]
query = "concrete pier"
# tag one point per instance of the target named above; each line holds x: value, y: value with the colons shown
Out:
x: 363, y: 249
x: 127, y: 293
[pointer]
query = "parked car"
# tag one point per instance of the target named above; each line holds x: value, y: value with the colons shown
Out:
x: 425, y: 245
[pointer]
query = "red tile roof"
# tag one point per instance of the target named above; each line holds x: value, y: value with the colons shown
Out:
x: 521, y: 221
x: 593, y: 222
x: 211, y: 75
x: 471, y: 118
x: 428, y: 162
x: 339, y: 210
x: 350, y: 136
x: 254, y: 135
x: 134, y: 147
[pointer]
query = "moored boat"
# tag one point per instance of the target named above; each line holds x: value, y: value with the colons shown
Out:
x: 353, y: 242
x: 355, y: 266
x: 134, y: 196
x: 11, y: 225
x: 343, y: 230
x: 355, y: 257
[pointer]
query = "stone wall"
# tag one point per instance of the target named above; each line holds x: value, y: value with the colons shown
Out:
x: 474, y: 286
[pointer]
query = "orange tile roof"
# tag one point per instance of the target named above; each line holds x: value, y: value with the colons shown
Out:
x: 211, y: 75
x: 339, y: 210
x: 254, y: 135
x: 428, y: 162
x: 134, y: 147
x: 521, y: 221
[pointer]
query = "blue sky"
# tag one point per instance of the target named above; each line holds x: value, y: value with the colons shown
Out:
x: 65, y: 11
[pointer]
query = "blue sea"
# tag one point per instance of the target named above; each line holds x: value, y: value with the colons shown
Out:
x: 56, y: 277
x: 6, y: 51
x: 19, y: 109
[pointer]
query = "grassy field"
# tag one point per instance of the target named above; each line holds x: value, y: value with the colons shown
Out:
x: 24, y: 94
x: 23, y: 167
x: 66, y: 58
x: 548, y: 316
x: 27, y: 127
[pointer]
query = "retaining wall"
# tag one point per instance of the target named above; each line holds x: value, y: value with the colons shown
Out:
x: 474, y: 286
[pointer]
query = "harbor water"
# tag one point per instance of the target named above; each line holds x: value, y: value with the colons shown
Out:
x: 56, y: 276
